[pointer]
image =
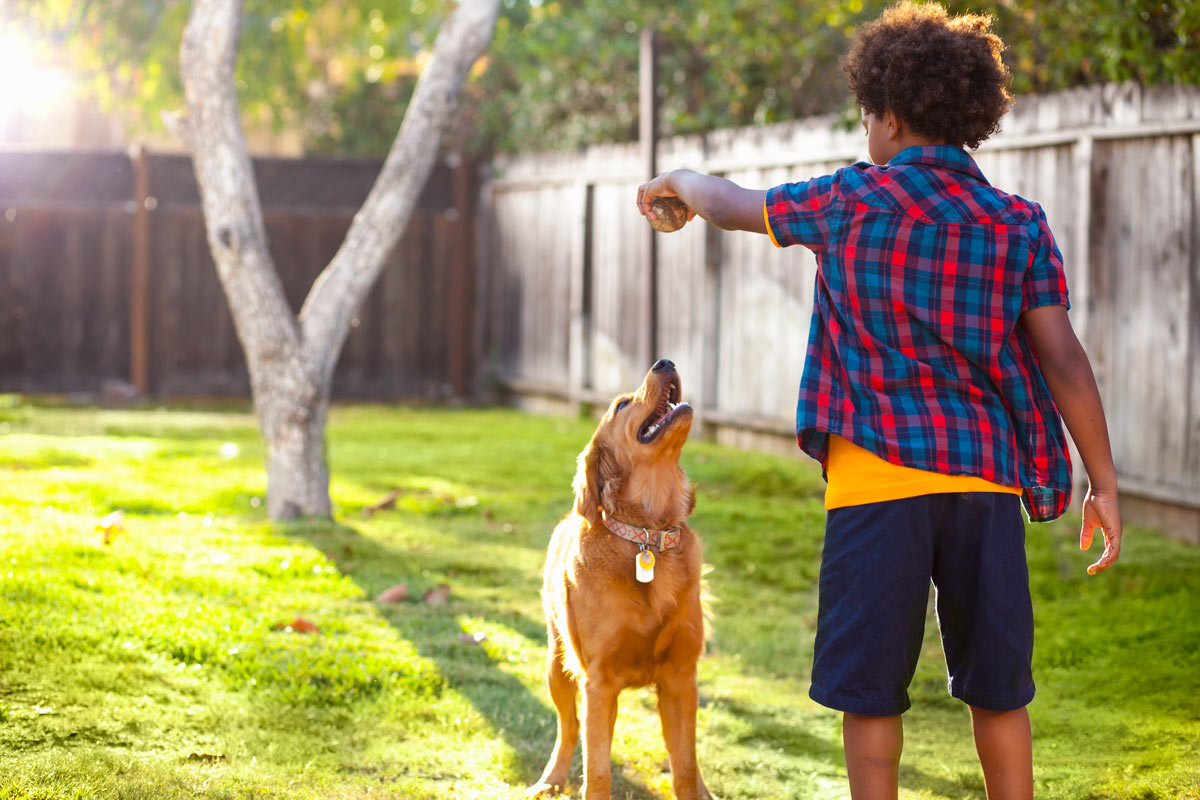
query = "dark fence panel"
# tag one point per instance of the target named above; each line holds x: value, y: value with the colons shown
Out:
x: 70, y: 300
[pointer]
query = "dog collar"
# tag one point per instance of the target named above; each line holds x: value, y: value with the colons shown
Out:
x: 659, y: 540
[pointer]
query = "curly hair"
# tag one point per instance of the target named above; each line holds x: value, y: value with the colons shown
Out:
x: 942, y: 75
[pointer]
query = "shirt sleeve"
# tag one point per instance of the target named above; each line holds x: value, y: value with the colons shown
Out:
x: 1045, y: 281
x: 799, y: 213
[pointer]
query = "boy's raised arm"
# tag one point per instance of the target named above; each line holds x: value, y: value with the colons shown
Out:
x: 720, y: 201
x: 1072, y: 384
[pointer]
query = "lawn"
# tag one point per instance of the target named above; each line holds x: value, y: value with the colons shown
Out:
x: 173, y: 662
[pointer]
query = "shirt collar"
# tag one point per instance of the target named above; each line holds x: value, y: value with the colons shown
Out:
x: 942, y: 156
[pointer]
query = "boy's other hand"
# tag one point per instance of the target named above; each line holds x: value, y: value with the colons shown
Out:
x: 1100, y: 511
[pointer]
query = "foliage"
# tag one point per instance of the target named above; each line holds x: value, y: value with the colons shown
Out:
x: 731, y: 64
x: 341, y: 72
x: 563, y: 74
x: 152, y: 667
x: 567, y: 73
x: 1064, y: 43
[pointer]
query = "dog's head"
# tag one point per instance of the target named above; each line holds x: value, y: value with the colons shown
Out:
x: 631, y: 466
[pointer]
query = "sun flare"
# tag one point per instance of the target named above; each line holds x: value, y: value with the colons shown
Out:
x: 32, y: 86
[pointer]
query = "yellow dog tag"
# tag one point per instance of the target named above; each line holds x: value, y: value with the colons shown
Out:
x: 645, y: 566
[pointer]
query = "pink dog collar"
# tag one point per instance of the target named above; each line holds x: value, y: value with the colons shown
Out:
x: 659, y: 540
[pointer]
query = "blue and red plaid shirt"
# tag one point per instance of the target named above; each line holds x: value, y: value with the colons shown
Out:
x: 915, y: 350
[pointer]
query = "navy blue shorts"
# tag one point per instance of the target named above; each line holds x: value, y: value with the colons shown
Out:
x: 876, y: 566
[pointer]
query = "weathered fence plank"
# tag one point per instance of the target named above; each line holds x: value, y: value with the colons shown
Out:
x: 1192, y: 367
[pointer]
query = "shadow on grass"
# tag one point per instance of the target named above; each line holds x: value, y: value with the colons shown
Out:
x: 524, y: 720
x: 771, y: 732
x: 919, y: 780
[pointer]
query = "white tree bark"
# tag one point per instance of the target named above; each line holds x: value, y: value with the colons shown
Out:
x: 291, y: 360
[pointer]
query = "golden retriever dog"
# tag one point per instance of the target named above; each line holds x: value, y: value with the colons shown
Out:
x: 622, y: 589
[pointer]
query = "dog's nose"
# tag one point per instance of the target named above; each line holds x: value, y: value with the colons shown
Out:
x: 661, y: 365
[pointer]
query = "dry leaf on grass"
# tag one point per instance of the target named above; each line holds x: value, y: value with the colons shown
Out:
x: 394, y: 594
x: 386, y: 502
x: 208, y: 758
x: 438, y: 595
x: 298, y: 625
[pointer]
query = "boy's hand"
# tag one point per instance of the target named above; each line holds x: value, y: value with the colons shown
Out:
x: 658, y: 187
x: 1100, y: 511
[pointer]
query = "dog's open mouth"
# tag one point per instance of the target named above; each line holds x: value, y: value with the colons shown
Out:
x: 664, y: 413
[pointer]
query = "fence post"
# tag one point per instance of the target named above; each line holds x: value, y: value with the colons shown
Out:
x: 459, y: 292
x: 710, y: 333
x: 579, y: 341
x: 139, y: 277
x: 486, y: 240
x: 648, y: 139
x: 1082, y: 164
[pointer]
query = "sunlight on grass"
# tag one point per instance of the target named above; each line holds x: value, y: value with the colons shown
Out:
x: 173, y: 662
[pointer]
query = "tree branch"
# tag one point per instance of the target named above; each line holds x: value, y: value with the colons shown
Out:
x: 343, y: 285
x: 233, y: 219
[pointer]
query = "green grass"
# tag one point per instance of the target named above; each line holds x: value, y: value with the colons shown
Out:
x: 155, y: 667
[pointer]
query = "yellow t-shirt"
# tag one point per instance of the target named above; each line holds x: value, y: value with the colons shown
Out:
x: 857, y: 476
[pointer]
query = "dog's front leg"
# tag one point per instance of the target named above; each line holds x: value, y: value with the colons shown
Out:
x: 599, y: 715
x: 563, y: 692
x: 677, y: 702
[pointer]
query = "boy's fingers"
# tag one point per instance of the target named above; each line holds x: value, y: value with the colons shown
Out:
x: 644, y: 196
x: 1085, y: 536
x: 1104, y: 563
x: 1112, y: 551
x: 657, y: 187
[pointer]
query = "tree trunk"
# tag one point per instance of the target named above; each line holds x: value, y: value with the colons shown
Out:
x: 291, y: 360
x: 297, y: 475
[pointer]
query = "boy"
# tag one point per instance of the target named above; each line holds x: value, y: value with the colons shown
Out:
x: 940, y: 356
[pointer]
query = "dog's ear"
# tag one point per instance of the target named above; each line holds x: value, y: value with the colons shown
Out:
x: 596, y: 481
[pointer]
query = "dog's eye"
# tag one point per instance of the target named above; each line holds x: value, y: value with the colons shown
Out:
x: 621, y: 404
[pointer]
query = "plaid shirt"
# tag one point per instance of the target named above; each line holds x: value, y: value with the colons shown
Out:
x: 915, y: 352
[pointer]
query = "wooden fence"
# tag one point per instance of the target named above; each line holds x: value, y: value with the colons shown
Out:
x: 105, y: 276
x: 564, y: 284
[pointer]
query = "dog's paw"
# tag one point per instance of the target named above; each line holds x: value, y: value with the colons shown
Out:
x: 543, y: 790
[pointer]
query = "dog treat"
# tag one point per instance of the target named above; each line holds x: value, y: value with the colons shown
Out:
x: 671, y: 213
